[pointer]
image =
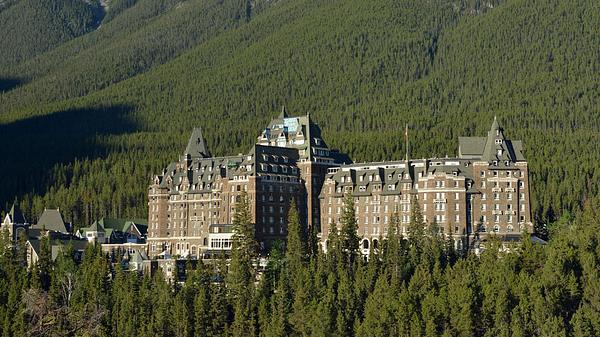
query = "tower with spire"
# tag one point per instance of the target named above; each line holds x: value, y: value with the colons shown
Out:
x: 198, y: 193
x: 15, y: 222
x: 481, y: 193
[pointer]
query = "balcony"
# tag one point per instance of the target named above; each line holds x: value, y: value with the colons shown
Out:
x: 509, y: 189
x: 497, y: 212
x: 440, y: 201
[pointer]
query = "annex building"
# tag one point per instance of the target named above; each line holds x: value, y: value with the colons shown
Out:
x: 483, y: 191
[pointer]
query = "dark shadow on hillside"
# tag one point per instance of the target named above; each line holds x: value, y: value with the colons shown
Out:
x: 7, y: 84
x: 30, y: 148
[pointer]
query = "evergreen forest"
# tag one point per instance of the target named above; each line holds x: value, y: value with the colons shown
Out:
x: 410, y: 286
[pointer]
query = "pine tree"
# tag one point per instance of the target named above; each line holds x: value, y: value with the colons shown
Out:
x: 280, y: 310
x: 391, y: 254
x: 44, y: 263
x: 243, y: 250
x: 242, y: 272
x: 349, y: 240
x: 301, y: 310
x: 416, y: 227
x: 295, y: 252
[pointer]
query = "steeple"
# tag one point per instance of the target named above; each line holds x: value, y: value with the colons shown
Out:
x: 196, y: 147
x: 283, y: 113
x: 495, y: 125
x: 496, y: 132
x: 496, y: 147
x: 16, y: 216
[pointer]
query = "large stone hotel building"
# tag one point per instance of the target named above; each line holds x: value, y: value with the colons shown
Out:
x: 194, y: 198
x: 483, y: 191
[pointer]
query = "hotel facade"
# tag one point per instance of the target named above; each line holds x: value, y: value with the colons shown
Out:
x: 483, y: 191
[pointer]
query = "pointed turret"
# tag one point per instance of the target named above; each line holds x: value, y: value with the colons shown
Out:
x: 496, y: 147
x: 196, y: 147
x: 16, y: 216
x: 283, y: 113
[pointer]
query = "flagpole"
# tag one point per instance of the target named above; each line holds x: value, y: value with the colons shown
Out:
x: 406, y: 140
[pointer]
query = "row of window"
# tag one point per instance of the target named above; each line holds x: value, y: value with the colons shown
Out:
x: 278, y: 168
x: 509, y: 207
x: 497, y: 218
x: 496, y: 173
x: 275, y: 158
x: 509, y: 196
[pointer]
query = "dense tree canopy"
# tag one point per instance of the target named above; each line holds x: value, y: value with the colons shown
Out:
x: 531, y: 290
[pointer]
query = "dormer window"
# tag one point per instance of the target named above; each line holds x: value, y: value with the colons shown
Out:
x: 499, y: 152
x: 498, y: 141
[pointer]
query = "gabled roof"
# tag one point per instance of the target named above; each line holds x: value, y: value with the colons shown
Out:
x: 138, y: 257
x: 120, y: 224
x: 16, y: 216
x: 95, y: 227
x: 471, y: 146
x: 51, y: 220
x: 196, y: 147
x: 494, y: 147
x: 56, y: 246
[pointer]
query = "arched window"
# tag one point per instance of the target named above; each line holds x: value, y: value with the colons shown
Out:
x: 205, y: 242
x: 496, y: 228
x: 365, y: 244
x: 375, y: 244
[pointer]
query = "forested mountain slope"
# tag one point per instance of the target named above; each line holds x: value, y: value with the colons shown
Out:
x: 141, y: 35
x: 31, y: 27
x: 362, y: 69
